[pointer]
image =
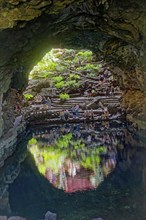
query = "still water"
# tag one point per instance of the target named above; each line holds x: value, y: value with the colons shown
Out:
x: 79, y: 172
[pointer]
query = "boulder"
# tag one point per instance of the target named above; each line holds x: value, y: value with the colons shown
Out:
x: 50, y: 216
x: 97, y: 219
x: 3, y: 217
x: 16, y: 218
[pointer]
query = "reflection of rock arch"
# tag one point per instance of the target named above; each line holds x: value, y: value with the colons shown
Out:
x: 71, y: 169
x: 120, y: 184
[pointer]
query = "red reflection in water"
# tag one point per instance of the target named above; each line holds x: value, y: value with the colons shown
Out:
x: 76, y: 183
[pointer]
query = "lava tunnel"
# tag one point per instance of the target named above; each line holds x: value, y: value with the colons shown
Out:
x: 97, y: 51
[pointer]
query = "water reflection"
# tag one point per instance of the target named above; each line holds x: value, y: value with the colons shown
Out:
x: 76, y: 158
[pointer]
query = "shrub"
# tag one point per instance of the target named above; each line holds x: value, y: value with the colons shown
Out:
x: 83, y: 56
x: 57, y: 79
x: 91, y: 74
x: 28, y: 96
x: 74, y: 76
x: 60, y: 85
x: 33, y: 141
x: 64, y: 96
x: 71, y: 83
x: 90, y: 67
x: 86, y: 55
x: 43, y: 75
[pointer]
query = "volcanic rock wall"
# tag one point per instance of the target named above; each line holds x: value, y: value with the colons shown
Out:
x: 29, y: 28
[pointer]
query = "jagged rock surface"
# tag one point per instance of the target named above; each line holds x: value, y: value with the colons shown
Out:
x: 29, y: 28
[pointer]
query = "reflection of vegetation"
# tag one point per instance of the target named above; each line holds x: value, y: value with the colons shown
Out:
x: 47, y: 158
x: 54, y: 156
x: 64, y: 141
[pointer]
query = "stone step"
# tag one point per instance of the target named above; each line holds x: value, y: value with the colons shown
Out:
x: 56, y: 114
x: 71, y: 120
x: 83, y: 98
x: 83, y: 102
x: 110, y: 101
x: 71, y: 105
x: 60, y: 109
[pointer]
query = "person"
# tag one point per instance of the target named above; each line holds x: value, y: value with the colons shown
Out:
x: 86, y: 115
x: 105, y: 114
x: 111, y: 78
x: 117, y: 89
x: 100, y: 82
x: 62, y: 115
x: 93, y: 92
x: 53, y: 91
x: 105, y: 125
x: 105, y: 75
x: 38, y: 98
x: 100, y: 105
x: 44, y: 100
x: 107, y: 90
x: 111, y: 90
x: 86, y: 93
x: 19, y: 96
x: 75, y: 111
x: 66, y: 114
x: 48, y: 102
x: 92, y: 114
x: 89, y: 139
x: 17, y: 107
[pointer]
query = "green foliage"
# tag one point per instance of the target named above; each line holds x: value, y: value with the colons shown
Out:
x: 91, y: 74
x: 60, y: 85
x: 86, y: 54
x: 51, y: 66
x: 43, y: 68
x: 75, y: 85
x: 71, y: 83
x: 74, y: 76
x: 28, y: 96
x: 57, y: 79
x: 89, y: 67
x: 33, y: 141
x: 64, y: 96
x: 56, y: 66
x: 83, y: 56
x: 44, y: 75
x: 60, y: 68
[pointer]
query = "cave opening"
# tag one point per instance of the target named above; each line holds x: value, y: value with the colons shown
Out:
x: 66, y: 79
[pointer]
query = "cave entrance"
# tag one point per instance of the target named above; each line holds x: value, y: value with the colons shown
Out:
x: 65, y: 79
x: 63, y: 71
